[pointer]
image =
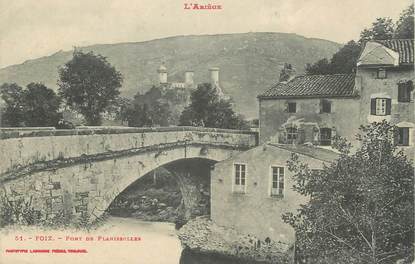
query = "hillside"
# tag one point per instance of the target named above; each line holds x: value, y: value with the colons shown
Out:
x: 249, y: 62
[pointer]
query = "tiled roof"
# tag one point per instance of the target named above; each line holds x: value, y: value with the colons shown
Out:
x: 405, y: 48
x: 335, y: 85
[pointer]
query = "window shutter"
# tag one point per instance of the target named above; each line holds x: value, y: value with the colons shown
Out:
x: 333, y: 132
x: 373, y: 106
x: 301, y: 136
x: 405, y: 136
x: 400, y: 93
x: 388, y: 106
x: 408, y: 94
x: 396, y: 135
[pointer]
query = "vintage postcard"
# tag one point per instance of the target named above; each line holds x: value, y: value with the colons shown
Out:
x: 207, y: 131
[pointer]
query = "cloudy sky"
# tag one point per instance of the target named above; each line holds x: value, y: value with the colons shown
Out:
x: 34, y: 28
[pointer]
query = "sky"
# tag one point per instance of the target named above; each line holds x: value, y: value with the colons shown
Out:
x: 34, y: 28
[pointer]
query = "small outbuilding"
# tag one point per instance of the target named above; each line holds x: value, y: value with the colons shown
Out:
x: 251, y: 191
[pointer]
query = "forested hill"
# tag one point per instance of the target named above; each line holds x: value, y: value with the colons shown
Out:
x: 249, y: 62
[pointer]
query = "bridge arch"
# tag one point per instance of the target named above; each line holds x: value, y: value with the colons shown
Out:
x: 89, y: 183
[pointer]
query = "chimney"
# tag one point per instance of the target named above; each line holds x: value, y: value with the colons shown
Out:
x: 357, y: 84
x: 287, y: 73
x: 214, y: 76
x: 188, y: 78
x: 162, y: 71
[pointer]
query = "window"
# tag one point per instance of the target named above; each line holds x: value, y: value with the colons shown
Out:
x: 380, y: 106
x: 325, y: 136
x: 277, y: 184
x: 292, y: 107
x: 292, y: 135
x: 240, y: 178
x: 403, y: 136
x: 404, y: 92
x: 325, y: 106
x: 381, y: 74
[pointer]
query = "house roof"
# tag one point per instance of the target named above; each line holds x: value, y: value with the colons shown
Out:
x: 404, y: 47
x: 310, y: 151
x: 335, y: 85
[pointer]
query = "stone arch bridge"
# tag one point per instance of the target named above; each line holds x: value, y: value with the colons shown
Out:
x: 73, y: 172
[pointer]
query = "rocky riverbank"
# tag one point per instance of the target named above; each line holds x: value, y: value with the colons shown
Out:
x: 203, y: 236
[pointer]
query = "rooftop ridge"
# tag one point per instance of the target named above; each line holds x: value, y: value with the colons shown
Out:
x: 322, y: 85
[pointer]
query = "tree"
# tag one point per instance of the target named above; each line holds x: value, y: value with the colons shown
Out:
x: 156, y: 107
x: 405, y: 24
x: 36, y: 105
x: 382, y: 28
x: 12, y: 94
x: 320, y: 67
x: 343, y: 61
x: 41, y: 105
x: 208, y: 110
x: 138, y: 116
x: 89, y: 84
x: 361, y: 206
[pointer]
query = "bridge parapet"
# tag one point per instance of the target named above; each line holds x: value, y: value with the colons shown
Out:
x: 23, y: 147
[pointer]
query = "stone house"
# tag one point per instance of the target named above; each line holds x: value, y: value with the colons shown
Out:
x: 385, y: 71
x: 315, y: 108
x: 309, y: 109
x: 251, y: 191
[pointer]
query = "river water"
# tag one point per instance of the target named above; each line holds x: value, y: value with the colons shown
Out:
x: 158, y: 244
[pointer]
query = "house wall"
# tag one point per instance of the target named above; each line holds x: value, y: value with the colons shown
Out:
x: 400, y: 111
x: 370, y: 85
x: 272, y: 115
x: 256, y: 212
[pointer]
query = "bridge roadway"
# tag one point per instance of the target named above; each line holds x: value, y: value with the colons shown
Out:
x: 84, y: 169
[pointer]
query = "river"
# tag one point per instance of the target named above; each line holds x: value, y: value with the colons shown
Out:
x: 160, y: 243
x: 157, y: 243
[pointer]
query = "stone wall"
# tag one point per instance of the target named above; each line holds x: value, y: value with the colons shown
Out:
x: 79, y: 172
x: 20, y: 148
x: 89, y: 185
x: 204, y: 236
x: 401, y: 112
x: 344, y: 116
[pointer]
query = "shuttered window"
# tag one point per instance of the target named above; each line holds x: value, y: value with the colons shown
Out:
x: 403, y: 136
x: 404, y: 92
x: 325, y: 106
x: 292, y: 107
x: 380, y: 106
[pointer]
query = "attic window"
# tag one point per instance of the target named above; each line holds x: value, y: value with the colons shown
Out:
x: 381, y: 74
